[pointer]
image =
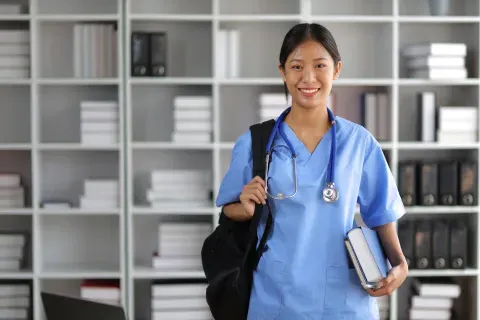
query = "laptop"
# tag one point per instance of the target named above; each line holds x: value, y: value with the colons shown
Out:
x: 61, y: 307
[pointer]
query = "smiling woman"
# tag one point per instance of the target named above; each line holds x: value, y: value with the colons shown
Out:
x: 321, y: 166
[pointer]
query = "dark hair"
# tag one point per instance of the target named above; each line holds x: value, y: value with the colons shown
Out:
x: 303, y: 32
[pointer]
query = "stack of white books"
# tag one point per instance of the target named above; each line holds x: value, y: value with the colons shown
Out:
x: 94, y: 50
x: 457, y: 124
x: 177, y: 300
x: 179, y: 188
x: 99, y: 122
x: 12, y: 251
x: 179, y: 246
x: 271, y: 105
x: 14, y: 53
x: 15, y: 301
x: 100, y: 290
x: 192, y: 119
x: 100, y: 194
x: 436, y: 60
x: 433, y: 299
x: 12, y: 193
x: 227, y: 54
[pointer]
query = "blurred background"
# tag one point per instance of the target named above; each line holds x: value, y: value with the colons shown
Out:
x: 118, y: 119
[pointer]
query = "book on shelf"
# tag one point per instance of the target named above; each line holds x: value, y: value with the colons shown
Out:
x: 13, y: 8
x: 367, y: 255
x: 101, y: 290
x: 12, y: 191
x: 13, y: 250
x: 94, y: 50
x: 436, y: 60
x: 192, y: 116
x: 15, y: 300
x: 15, y: 53
x: 227, y: 53
x: 99, y: 122
x: 100, y: 193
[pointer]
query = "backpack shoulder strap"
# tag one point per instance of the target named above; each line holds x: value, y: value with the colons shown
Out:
x: 260, y: 134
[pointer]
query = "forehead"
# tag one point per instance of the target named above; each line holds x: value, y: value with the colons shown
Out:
x: 309, y: 50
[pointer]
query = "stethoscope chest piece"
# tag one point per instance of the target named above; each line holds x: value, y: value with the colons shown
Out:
x: 330, y: 194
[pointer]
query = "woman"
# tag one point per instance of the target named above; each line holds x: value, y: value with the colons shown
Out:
x: 305, y: 273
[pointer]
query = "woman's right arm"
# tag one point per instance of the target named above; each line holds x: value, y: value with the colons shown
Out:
x: 252, y: 193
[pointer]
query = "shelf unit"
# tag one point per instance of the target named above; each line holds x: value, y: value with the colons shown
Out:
x: 45, y: 149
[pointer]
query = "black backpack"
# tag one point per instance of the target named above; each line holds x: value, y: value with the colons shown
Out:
x: 229, y: 254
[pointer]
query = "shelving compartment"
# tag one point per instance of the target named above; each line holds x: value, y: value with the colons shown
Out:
x: 158, y: 116
x: 87, y: 180
x: 87, y: 288
x: 89, y: 246
x: 260, y: 7
x: 454, y: 8
x: 461, y: 33
x: 346, y: 7
x: 15, y: 180
x: 249, y: 49
x: 15, y: 123
x: 168, y: 179
x: 171, y: 7
x: 186, y: 51
x: 419, y: 106
x: 169, y: 245
x: 78, y: 49
x: 89, y: 115
x: 16, y: 245
x: 79, y: 7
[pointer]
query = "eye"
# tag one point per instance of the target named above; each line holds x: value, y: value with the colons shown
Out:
x: 321, y: 65
x: 296, y: 67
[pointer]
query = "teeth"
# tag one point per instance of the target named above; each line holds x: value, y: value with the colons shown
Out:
x: 309, y: 91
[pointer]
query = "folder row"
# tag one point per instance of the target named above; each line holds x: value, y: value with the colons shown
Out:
x: 177, y: 300
x: 436, y: 60
x: 15, y: 53
x: 192, y: 119
x: 99, y: 122
x: 179, y: 188
x: 438, y: 182
x: 179, y: 246
x: 435, y: 243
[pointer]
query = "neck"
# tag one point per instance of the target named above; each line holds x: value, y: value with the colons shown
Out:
x: 309, y: 119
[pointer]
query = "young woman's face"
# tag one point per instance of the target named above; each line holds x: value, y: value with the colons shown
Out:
x: 309, y: 72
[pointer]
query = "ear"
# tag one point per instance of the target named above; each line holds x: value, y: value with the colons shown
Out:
x: 337, y: 71
x: 282, y: 72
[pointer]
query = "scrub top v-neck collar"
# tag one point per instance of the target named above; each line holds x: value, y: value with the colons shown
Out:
x: 320, y: 154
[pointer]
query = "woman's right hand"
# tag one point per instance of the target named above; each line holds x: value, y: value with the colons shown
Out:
x: 252, y: 193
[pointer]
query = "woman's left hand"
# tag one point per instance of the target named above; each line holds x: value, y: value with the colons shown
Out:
x: 396, y: 276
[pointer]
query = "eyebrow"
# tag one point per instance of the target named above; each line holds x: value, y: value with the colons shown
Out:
x: 295, y: 59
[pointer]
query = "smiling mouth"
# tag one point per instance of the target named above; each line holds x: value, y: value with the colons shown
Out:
x: 309, y: 91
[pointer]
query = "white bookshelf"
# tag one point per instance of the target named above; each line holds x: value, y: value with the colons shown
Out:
x: 39, y: 123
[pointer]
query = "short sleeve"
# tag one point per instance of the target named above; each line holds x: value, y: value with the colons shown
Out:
x: 239, y: 172
x: 379, y: 198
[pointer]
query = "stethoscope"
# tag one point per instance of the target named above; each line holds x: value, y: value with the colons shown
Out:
x: 330, y: 193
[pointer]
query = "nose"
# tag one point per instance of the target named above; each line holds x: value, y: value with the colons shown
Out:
x: 308, y: 75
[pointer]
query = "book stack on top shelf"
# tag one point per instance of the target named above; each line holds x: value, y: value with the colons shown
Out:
x: 15, y: 53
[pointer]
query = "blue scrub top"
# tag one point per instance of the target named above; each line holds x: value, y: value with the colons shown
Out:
x: 305, y: 274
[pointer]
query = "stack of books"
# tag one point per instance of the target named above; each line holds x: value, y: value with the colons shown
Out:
x: 14, y: 53
x: 227, y: 55
x: 101, y: 290
x: 94, y: 50
x: 433, y: 299
x: 192, y: 119
x: 185, y: 188
x: 436, y: 60
x: 457, y: 124
x: 12, y: 193
x: 271, y: 105
x: 12, y: 251
x: 99, y: 122
x: 179, y: 246
x: 179, y: 300
x: 100, y: 193
x: 15, y: 300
